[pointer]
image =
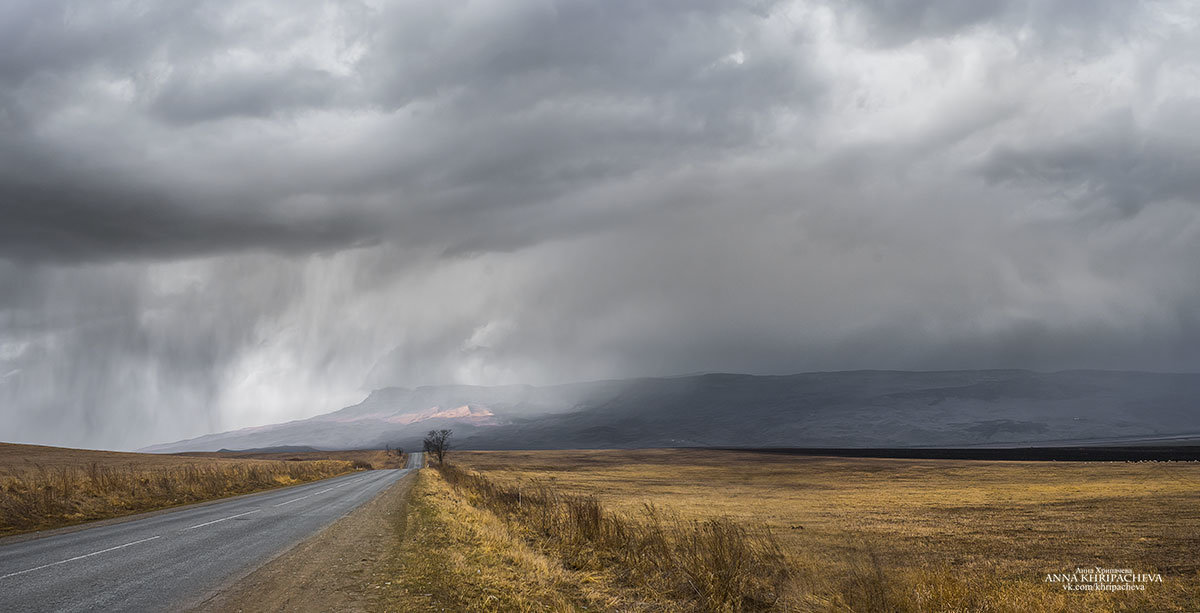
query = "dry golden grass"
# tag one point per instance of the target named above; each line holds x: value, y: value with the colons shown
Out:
x: 452, y: 556
x: 377, y: 458
x: 878, y: 534
x: 665, y: 561
x: 48, y: 487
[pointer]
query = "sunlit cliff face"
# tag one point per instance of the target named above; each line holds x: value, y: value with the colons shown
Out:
x: 216, y: 217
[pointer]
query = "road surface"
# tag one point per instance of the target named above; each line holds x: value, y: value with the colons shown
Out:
x: 174, y: 560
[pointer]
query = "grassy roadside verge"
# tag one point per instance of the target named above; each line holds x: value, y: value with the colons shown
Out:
x: 454, y: 556
x: 479, y: 544
x: 713, y: 564
x: 40, y: 498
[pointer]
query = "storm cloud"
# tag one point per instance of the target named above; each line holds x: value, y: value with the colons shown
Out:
x: 216, y: 216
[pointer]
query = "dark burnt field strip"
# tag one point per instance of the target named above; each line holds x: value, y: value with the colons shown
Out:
x: 1181, y: 453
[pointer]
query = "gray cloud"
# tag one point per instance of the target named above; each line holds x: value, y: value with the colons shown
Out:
x: 216, y: 216
x: 205, y: 130
x: 1069, y: 26
x: 205, y: 96
x: 1111, y: 165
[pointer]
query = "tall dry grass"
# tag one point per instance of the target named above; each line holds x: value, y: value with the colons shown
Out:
x: 41, y: 497
x: 716, y: 564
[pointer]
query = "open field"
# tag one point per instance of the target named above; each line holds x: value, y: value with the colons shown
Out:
x: 48, y: 487
x: 911, y: 526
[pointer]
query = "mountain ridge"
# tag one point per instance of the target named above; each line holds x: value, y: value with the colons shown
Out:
x: 862, y: 408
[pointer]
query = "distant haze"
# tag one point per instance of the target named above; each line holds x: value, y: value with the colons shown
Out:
x: 1007, y: 408
x: 217, y: 216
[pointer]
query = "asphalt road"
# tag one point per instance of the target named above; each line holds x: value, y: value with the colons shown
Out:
x: 174, y: 560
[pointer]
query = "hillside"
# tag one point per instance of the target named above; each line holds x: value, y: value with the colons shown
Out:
x: 838, y: 409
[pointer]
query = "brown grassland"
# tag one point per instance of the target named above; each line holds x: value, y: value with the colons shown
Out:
x: 49, y: 487
x: 377, y: 458
x: 681, y: 530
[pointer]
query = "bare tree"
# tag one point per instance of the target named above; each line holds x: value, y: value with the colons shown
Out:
x: 437, y: 443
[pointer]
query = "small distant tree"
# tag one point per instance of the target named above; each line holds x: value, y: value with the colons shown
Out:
x: 437, y: 443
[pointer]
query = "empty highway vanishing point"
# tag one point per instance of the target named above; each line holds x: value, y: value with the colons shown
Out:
x: 175, y: 560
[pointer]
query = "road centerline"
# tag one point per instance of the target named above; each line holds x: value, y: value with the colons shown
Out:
x: 86, y: 555
x: 297, y: 499
x: 315, y: 493
x: 209, y: 523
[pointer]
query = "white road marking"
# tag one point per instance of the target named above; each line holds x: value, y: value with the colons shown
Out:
x: 303, y: 497
x: 320, y: 492
x: 86, y: 555
x: 209, y: 523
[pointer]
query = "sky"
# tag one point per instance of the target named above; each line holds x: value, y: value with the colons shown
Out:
x: 216, y: 215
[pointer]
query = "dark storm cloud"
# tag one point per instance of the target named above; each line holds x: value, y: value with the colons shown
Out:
x: 1112, y: 166
x: 462, y: 111
x: 99, y: 221
x: 215, y: 216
